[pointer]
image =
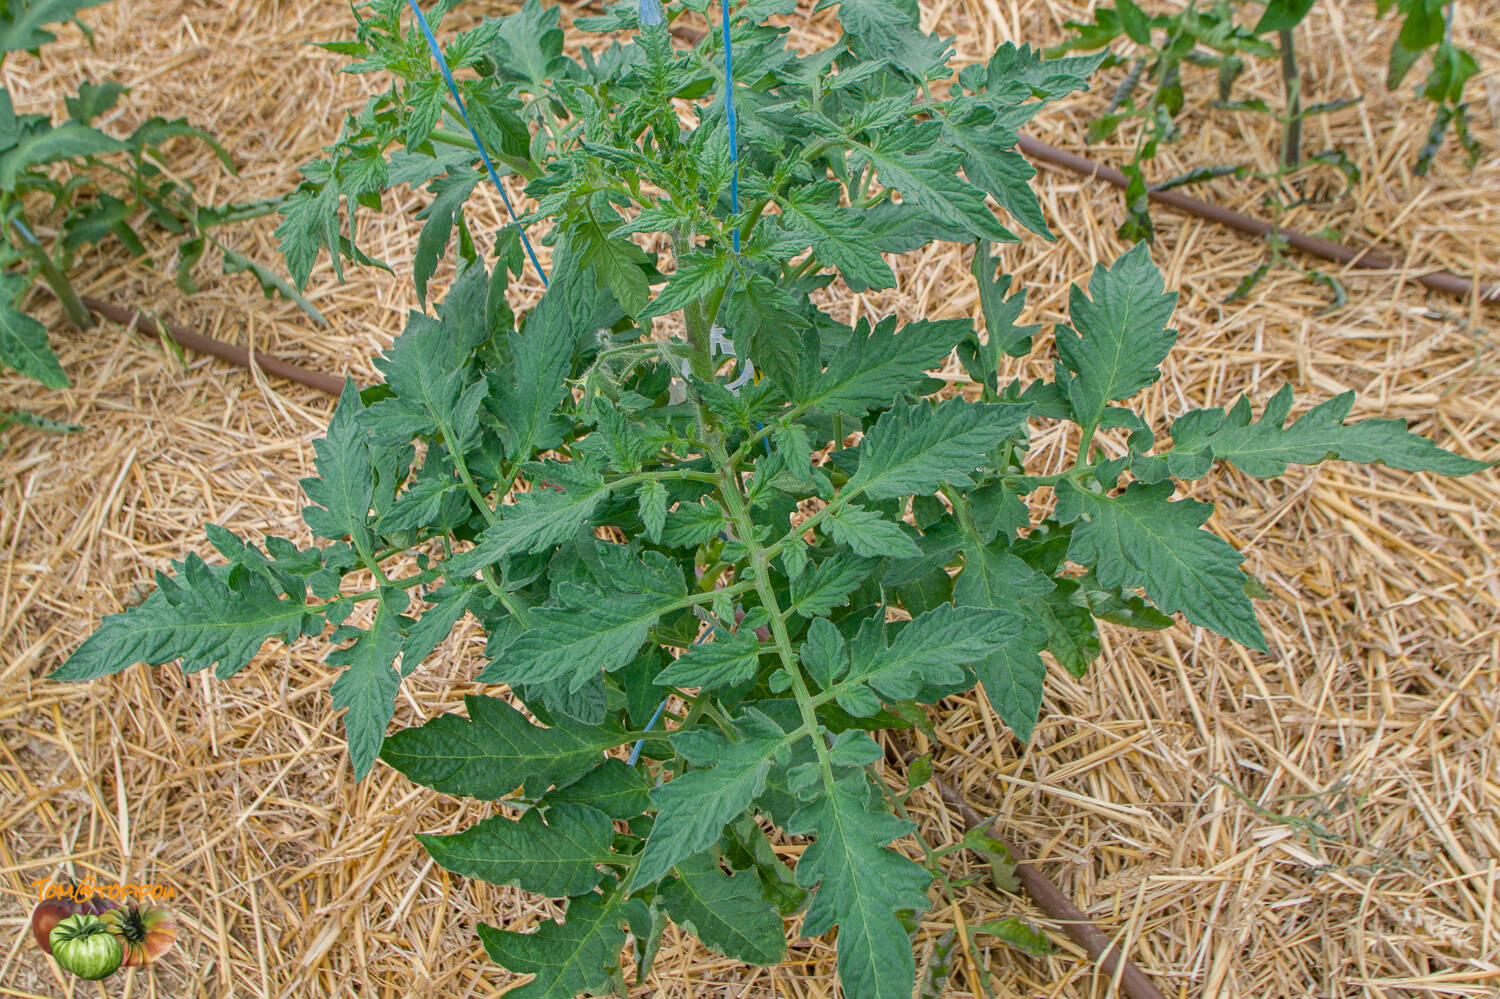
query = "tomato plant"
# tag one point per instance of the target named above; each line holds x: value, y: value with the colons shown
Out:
x: 83, y: 945
x: 719, y: 538
x: 54, y: 201
x: 1222, y: 38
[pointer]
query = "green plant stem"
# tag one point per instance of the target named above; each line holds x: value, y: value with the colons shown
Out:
x: 404, y: 583
x: 1084, y: 444
x: 961, y: 512
x: 748, y: 228
x: 78, y: 314
x: 739, y: 516
x: 803, y: 269
x: 462, y: 467
x: 1291, y: 142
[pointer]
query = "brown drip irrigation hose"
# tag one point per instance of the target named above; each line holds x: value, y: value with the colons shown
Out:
x: 217, y: 348
x: 1050, y: 899
x: 1443, y: 281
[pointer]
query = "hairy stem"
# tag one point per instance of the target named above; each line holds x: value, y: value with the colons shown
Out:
x: 78, y: 314
x: 739, y: 515
x: 1291, y: 141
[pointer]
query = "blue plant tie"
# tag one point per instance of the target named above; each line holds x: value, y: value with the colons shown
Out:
x: 635, y: 754
x: 442, y: 64
x: 734, y: 147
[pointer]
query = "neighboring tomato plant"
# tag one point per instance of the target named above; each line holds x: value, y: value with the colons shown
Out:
x: 85, y: 185
x: 83, y: 945
x: 1223, y: 37
x: 697, y: 513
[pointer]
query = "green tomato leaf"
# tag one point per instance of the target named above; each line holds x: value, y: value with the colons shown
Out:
x: 861, y: 886
x: 562, y: 498
x: 916, y: 447
x: 875, y: 366
x: 588, y: 631
x: 64, y: 141
x: 890, y: 29
x: 345, y: 485
x: 1002, y: 335
x: 1265, y: 448
x: 525, y: 396
x: 908, y: 160
x: 731, y: 658
x: 568, y: 958
x: 1119, y: 337
x: 1143, y: 539
x: 494, y: 750
x: 693, y: 808
x: 829, y: 585
x: 435, y: 624
x: 613, y: 787
x: 23, y: 340
x: 1012, y: 675
x: 1019, y: 934
x: 931, y: 649
x: 729, y: 914
x: 560, y: 857
x: 368, y: 684
x: 194, y: 616
x: 21, y: 26
x: 869, y: 535
x: 991, y: 161
x: 837, y: 234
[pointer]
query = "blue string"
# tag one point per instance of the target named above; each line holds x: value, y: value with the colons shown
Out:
x: 442, y: 64
x: 734, y: 149
x: 635, y: 754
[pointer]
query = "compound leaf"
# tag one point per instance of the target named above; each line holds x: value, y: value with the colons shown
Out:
x: 1265, y: 448
x: 193, y: 616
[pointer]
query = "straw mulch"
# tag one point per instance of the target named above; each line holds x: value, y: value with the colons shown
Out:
x: 1316, y: 822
